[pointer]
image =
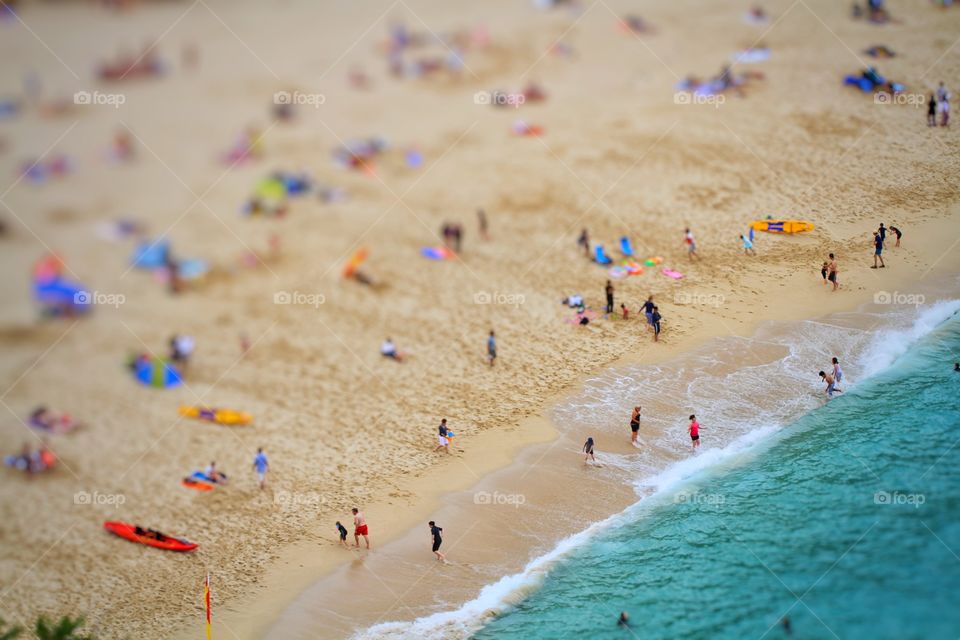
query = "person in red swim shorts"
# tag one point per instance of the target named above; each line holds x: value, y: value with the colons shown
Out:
x: 360, y: 528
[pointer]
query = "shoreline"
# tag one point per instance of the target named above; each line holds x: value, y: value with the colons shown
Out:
x: 296, y: 571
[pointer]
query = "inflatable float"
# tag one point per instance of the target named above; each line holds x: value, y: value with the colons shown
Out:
x: 155, y: 539
x: 782, y: 226
x: 220, y: 416
x: 198, y: 485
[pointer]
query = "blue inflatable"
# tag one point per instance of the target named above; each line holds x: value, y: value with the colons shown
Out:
x: 625, y: 247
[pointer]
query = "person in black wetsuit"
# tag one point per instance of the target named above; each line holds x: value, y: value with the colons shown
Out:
x: 435, y: 531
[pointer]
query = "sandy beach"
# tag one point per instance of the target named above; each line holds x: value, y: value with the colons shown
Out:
x: 619, y: 155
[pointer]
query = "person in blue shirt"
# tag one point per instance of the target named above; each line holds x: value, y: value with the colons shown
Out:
x: 491, y: 348
x: 342, y: 530
x: 877, y: 250
x: 261, y: 466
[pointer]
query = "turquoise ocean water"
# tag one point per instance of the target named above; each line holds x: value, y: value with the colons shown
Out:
x: 843, y: 516
x: 849, y: 524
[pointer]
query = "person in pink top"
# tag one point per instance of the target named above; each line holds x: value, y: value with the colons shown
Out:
x: 694, y: 430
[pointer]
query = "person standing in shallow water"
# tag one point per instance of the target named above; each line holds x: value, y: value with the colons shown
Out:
x: 588, y: 450
x: 694, y: 430
x: 635, y: 426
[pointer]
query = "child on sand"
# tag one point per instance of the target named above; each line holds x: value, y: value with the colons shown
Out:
x: 897, y: 233
x: 655, y: 318
x: 691, y: 244
x: 588, y: 450
x: 823, y: 272
x: 491, y: 348
x: 443, y: 442
x: 831, y: 384
x: 635, y: 426
x: 261, y: 465
x: 342, y: 532
x: 360, y: 528
x: 389, y: 350
x: 694, y: 430
x: 625, y: 311
x: 435, y: 532
x: 747, y: 246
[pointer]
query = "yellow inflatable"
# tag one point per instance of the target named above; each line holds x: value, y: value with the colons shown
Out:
x: 220, y: 416
x: 782, y: 226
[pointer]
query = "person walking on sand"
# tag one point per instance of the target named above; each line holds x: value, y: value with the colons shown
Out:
x: 691, y: 244
x: 584, y: 241
x: 635, y: 426
x: 360, y: 528
x: 943, y: 105
x: 491, y: 348
x: 342, y: 532
x: 655, y: 321
x: 837, y: 372
x: 877, y: 250
x: 435, y: 532
x: 747, y: 246
x: 831, y: 384
x: 694, y: 430
x: 608, y: 290
x: 588, y: 450
x: 882, y: 230
x: 261, y: 466
x: 482, y: 224
x: 932, y: 110
x: 832, y: 271
x: 647, y: 309
x: 443, y: 441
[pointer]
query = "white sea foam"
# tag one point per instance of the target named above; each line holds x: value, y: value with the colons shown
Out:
x: 868, y: 353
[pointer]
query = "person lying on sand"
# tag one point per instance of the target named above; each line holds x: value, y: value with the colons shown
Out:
x: 389, y: 350
x: 43, y: 418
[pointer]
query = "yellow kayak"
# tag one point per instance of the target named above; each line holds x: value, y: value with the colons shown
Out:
x: 782, y: 226
x: 220, y: 416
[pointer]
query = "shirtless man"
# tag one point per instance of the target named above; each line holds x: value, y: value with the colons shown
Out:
x: 831, y: 384
x: 635, y: 426
x: 360, y: 528
x: 832, y: 271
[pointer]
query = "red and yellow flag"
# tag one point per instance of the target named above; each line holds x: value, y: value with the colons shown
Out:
x: 206, y: 601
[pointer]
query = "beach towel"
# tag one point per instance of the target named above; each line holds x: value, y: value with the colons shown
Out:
x: 618, y: 272
x: 625, y: 247
x: 748, y: 56
x: 589, y: 314
x: 670, y: 273
x: 437, y: 253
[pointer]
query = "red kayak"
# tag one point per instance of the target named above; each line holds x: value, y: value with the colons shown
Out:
x: 148, y: 537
